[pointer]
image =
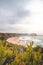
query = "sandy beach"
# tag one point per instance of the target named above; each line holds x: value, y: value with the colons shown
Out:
x: 15, y: 40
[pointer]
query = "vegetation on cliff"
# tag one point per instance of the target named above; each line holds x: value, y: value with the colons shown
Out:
x: 18, y: 55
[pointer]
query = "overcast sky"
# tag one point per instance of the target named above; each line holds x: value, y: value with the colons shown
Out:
x: 21, y: 16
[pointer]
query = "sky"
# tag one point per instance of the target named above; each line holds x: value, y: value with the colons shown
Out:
x: 21, y: 16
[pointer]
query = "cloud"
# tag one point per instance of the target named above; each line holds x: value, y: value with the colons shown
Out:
x: 12, y: 11
x: 21, y: 16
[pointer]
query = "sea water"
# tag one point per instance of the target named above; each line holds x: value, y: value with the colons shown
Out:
x: 38, y: 40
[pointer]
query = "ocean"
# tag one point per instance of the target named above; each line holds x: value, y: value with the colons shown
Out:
x: 38, y: 40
